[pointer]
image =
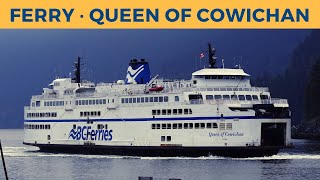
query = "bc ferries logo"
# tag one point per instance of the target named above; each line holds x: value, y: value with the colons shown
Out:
x: 88, y: 133
x: 132, y: 74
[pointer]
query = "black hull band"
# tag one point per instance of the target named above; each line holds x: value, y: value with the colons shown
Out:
x: 162, y: 151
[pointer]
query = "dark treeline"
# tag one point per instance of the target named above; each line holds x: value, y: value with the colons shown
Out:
x: 300, y: 83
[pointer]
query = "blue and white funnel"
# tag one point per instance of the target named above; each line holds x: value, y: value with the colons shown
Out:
x: 138, y: 72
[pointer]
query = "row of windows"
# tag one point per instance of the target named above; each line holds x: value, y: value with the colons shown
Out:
x: 145, y: 99
x: 94, y: 101
x: 54, y: 103
x: 219, y: 77
x: 185, y: 126
x: 92, y: 113
x: 234, y: 97
x: 47, y: 114
x: 171, y: 111
x: 37, y: 126
x: 35, y: 104
x: 165, y: 138
x: 99, y: 126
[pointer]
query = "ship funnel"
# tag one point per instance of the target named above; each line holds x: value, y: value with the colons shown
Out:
x: 138, y: 72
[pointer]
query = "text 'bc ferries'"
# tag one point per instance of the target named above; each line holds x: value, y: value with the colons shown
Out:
x: 217, y: 112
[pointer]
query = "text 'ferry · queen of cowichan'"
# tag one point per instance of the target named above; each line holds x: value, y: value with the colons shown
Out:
x: 217, y: 112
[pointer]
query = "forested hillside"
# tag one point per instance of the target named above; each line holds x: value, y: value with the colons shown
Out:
x: 296, y: 84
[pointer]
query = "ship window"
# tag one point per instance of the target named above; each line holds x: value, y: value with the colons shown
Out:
x: 99, y: 113
x: 255, y: 97
x: 41, y: 126
x: 209, y: 125
x: 146, y: 99
x: 226, y: 97
x: 190, y: 111
x: 264, y: 96
x: 179, y: 125
x: 90, y: 102
x: 164, y: 126
x: 158, y: 112
x: 156, y: 99
x: 126, y: 100
x: 234, y: 97
x: 106, y: 126
x: 38, y: 103
x: 100, y: 101
x: 242, y: 98
x: 166, y: 99
x: 222, y: 126
x: 142, y: 100
x: 95, y: 113
x: 217, y: 97
x: 130, y: 100
x: 138, y: 100
x: 186, y: 111
x: 248, y: 97
x: 175, y: 111
x: 190, y: 125
x: 229, y: 126
x: 92, y: 113
x: 196, y: 125
x: 202, y: 125
x: 158, y: 126
x: 179, y: 111
x: 104, y: 101
x: 209, y: 97
x: 185, y: 126
x: 153, y: 126
x: 169, y: 111
x: 134, y: 100
x: 160, y: 99
x: 168, y: 126
x: 163, y: 138
x: 164, y: 112
x: 169, y: 138
x: 154, y: 112
x: 176, y: 98
x: 83, y: 102
x: 214, y: 125
x: 174, y: 126
x: 122, y: 100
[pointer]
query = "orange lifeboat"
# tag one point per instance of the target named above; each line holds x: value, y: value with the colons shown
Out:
x: 156, y: 88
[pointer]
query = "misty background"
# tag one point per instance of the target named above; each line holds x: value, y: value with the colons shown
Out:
x: 31, y: 59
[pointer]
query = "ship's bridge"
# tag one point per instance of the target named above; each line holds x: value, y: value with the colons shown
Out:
x: 217, y: 77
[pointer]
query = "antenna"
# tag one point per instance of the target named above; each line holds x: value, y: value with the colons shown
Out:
x: 212, y: 58
x: 77, y: 70
x: 222, y: 60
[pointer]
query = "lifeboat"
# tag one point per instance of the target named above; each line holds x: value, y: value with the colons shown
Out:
x: 156, y: 88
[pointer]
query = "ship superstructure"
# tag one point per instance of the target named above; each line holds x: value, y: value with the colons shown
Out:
x: 216, y: 112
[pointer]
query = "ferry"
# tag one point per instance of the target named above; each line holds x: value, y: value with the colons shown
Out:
x: 216, y: 112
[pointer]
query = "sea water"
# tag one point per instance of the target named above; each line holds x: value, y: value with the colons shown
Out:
x: 25, y: 162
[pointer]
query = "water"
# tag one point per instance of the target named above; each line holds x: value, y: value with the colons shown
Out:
x: 24, y: 162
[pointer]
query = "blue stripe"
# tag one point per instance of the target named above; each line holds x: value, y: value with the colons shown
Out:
x: 147, y: 119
